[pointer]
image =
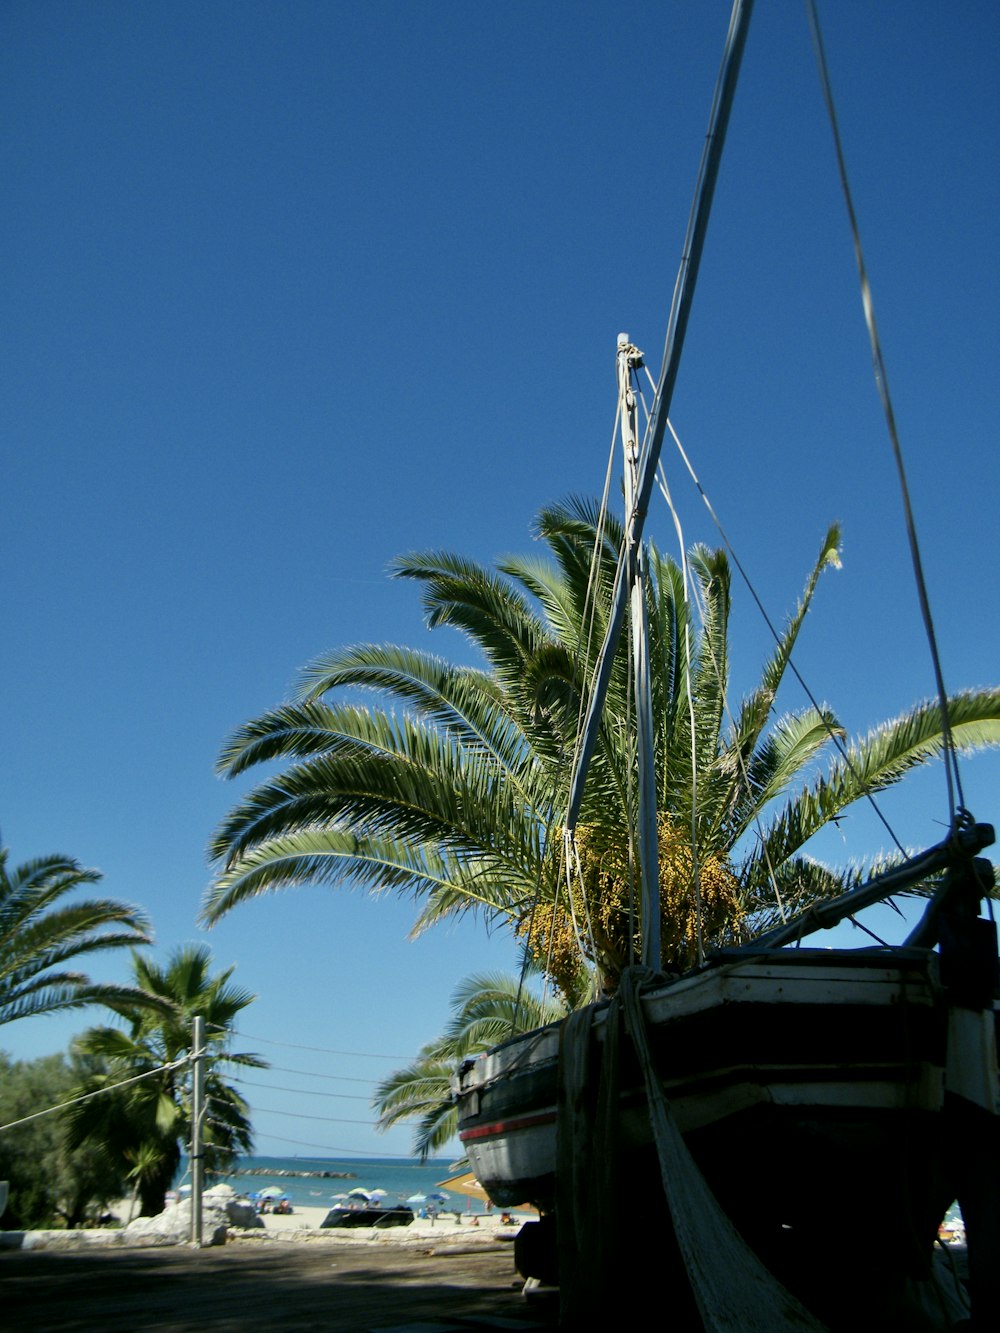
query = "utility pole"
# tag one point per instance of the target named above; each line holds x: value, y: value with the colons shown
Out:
x: 197, y: 1115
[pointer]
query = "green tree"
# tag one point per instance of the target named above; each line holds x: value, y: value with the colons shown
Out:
x: 449, y: 787
x: 40, y: 933
x: 51, y: 1183
x: 140, y: 1129
x: 486, y: 1009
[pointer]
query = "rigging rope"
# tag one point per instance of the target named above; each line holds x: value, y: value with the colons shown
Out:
x: 687, y: 585
x: 585, y: 644
x: 956, y: 802
x: 738, y: 749
x: 844, y: 754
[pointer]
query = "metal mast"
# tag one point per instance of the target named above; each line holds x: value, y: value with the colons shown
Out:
x: 630, y: 359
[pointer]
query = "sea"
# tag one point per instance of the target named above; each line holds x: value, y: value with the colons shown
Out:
x: 316, y: 1182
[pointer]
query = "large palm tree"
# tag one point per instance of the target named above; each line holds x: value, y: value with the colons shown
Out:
x: 486, y: 1009
x: 451, y: 784
x: 141, y: 1128
x: 40, y: 933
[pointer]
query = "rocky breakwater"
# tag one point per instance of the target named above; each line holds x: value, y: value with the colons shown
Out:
x: 286, y: 1172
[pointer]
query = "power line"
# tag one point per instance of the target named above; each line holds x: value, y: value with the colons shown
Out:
x: 305, y: 1092
x: 327, y: 1119
x: 339, y: 1154
x: 308, y: 1073
x: 322, y: 1050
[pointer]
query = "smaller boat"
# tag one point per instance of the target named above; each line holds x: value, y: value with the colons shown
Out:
x: 382, y: 1218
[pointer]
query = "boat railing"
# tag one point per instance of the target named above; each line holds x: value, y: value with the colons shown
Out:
x: 963, y: 876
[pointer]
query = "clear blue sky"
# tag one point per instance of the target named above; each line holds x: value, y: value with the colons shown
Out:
x: 292, y: 288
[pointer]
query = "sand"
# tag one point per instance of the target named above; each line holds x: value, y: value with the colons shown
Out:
x: 472, y: 1229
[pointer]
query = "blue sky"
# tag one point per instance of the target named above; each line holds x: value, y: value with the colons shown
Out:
x: 293, y: 288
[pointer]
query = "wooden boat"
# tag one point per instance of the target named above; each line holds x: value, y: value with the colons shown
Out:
x: 772, y: 1090
x: 854, y: 1074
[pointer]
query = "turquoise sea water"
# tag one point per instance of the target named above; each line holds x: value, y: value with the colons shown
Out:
x: 401, y: 1177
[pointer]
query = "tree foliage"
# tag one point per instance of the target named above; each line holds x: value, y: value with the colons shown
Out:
x: 487, y: 1008
x: 40, y: 933
x: 52, y: 1184
x: 450, y: 784
x: 141, y: 1129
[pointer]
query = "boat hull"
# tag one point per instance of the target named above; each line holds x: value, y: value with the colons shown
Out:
x: 828, y: 1048
x: 814, y: 1092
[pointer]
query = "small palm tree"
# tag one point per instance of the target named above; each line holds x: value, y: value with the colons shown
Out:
x: 486, y: 1009
x: 450, y: 787
x: 40, y: 933
x: 141, y: 1128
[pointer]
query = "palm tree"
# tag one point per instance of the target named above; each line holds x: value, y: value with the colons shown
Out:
x: 40, y: 933
x: 450, y: 787
x: 486, y: 1009
x: 141, y: 1128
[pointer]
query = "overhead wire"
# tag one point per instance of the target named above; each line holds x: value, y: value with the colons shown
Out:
x: 337, y: 1153
x: 309, y: 1073
x: 301, y: 1115
x: 321, y: 1050
x: 304, y: 1092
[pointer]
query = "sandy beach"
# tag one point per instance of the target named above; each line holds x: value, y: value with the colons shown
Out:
x: 470, y: 1229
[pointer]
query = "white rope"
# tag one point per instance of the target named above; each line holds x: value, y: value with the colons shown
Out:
x: 570, y: 850
x: 734, y: 1291
x: 590, y: 597
x: 837, y: 742
x: 686, y: 581
x: 665, y: 489
x: 572, y: 864
x: 99, y: 1092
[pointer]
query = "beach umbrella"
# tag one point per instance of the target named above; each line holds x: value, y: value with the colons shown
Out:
x: 270, y: 1192
x: 466, y: 1184
x: 416, y: 1199
x: 358, y: 1193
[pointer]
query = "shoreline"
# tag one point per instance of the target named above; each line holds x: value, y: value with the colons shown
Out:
x: 477, y: 1230
x: 282, y: 1173
x: 471, y: 1227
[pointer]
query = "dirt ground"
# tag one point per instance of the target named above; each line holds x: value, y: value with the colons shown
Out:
x: 370, y: 1289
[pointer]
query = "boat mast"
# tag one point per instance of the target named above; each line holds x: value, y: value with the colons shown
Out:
x: 629, y: 360
x: 648, y: 457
